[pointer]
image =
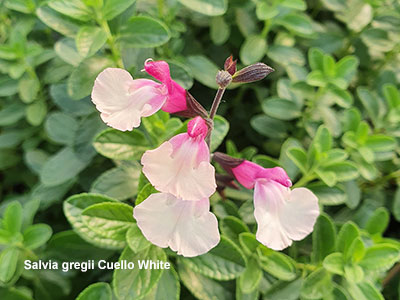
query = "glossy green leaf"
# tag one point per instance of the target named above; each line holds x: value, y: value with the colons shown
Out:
x: 324, y: 238
x: 137, y: 283
x: 89, y: 40
x: 207, y: 7
x: 37, y: 235
x: 144, y: 32
x: 96, y: 291
x: 224, y: 262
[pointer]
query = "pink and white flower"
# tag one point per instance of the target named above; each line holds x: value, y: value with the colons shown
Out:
x: 181, y: 166
x: 283, y: 215
x: 187, y: 227
x: 123, y: 100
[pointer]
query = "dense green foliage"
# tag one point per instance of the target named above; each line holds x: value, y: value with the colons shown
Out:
x: 329, y: 115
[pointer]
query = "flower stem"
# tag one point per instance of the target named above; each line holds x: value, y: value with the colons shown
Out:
x: 216, y: 102
x: 213, y: 111
x: 111, y: 42
x: 303, y: 180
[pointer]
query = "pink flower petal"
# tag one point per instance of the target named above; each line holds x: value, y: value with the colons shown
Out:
x: 181, y: 167
x: 197, y: 128
x: 187, y: 227
x: 248, y: 172
x: 283, y: 215
x: 176, y: 94
x: 122, y: 101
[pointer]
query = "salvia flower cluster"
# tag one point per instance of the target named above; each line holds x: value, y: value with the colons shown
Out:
x: 179, y: 216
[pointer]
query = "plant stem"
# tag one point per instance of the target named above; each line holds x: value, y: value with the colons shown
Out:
x: 267, y: 25
x: 216, y: 102
x: 303, y: 180
x: 213, y: 111
x: 111, y: 42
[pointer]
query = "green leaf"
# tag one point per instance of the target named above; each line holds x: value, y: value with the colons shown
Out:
x: 61, y: 167
x: 299, y: 23
x: 334, y: 263
x: 8, y: 86
x: 28, y: 87
x: 396, y: 204
x: 324, y: 238
x: 202, y: 287
x: 168, y: 287
x: 81, y: 80
x: 60, y: 97
x: 328, y: 195
x: 110, y: 220
x: 12, y: 219
x: 61, y: 128
x: 113, y: 8
x: 253, y: 49
x: 121, y: 145
x: 364, y: 291
x: 251, y: 277
x: 299, y: 157
x: 344, y: 171
x: 73, y: 208
x: 96, y: 291
x: 277, y: 264
x: 269, y: 127
x: 221, y: 128
x: 57, y: 21
x: 281, y: 109
x: 37, y: 235
x: 380, y: 257
x: 248, y: 242
x: 135, y: 239
x: 232, y: 226
x: 315, y: 59
x: 36, y: 112
x: 67, y: 51
x: 72, y: 8
x: 378, y: 222
x: 380, y: 142
x: 347, y: 234
x: 265, y: 10
x: 219, y: 30
x: 144, y: 32
x: 119, y: 183
x: 224, y: 262
x: 286, y: 55
x: 136, y: 283
x: 370, y: 103
x: 207, y: 7
x: 144, y: 193
x: 284, y: 290
x: 203, y: 70
x: 357, y: 250
x: 8, y: 158
x: 317, y: 284
x: 323, y: 139
x: 89, y: 40
x: 8, y: 263
x: 346, y: 68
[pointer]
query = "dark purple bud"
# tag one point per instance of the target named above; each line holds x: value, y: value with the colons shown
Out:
x: 252, y: 73
x: 227, y: 162
x: 223, y: 79
x: 193, y: 108
x: 230, y: 65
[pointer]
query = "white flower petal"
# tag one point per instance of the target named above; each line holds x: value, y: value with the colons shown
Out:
x: 122, y: 101
x: 179, y: 171
x: 187, y: 227
x: 283, y: 215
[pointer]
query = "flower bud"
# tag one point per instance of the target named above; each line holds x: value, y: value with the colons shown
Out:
x: 230, y: 65
x: 252, y: 73
x: 223, y: 79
